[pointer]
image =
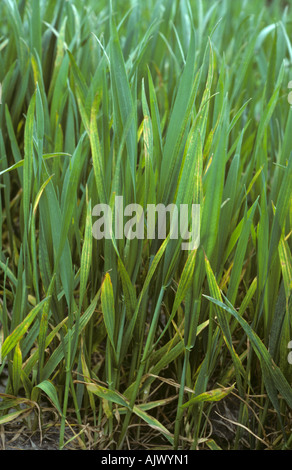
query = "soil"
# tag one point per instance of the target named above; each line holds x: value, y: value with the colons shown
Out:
x: 222, y: 427
x: 16, y: 437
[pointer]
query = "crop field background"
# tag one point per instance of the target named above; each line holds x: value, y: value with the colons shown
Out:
x: 123, y: 343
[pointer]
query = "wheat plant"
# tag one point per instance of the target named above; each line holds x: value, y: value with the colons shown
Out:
x: 135, y: 343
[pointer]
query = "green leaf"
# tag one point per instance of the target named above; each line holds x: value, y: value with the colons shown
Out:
x: 86, y: 255
x: 16, y: 369
x: 28, y: 159
x: 50, y: 390
x: 210, y: 396
x: 274, y: 379
x: 11, y: 416
x: 107, y: 394
x: 11, y: 341
x: 108, y: 308
x: 123, y: 101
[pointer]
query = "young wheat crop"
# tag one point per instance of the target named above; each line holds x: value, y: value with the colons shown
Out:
x: 133, y: 342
